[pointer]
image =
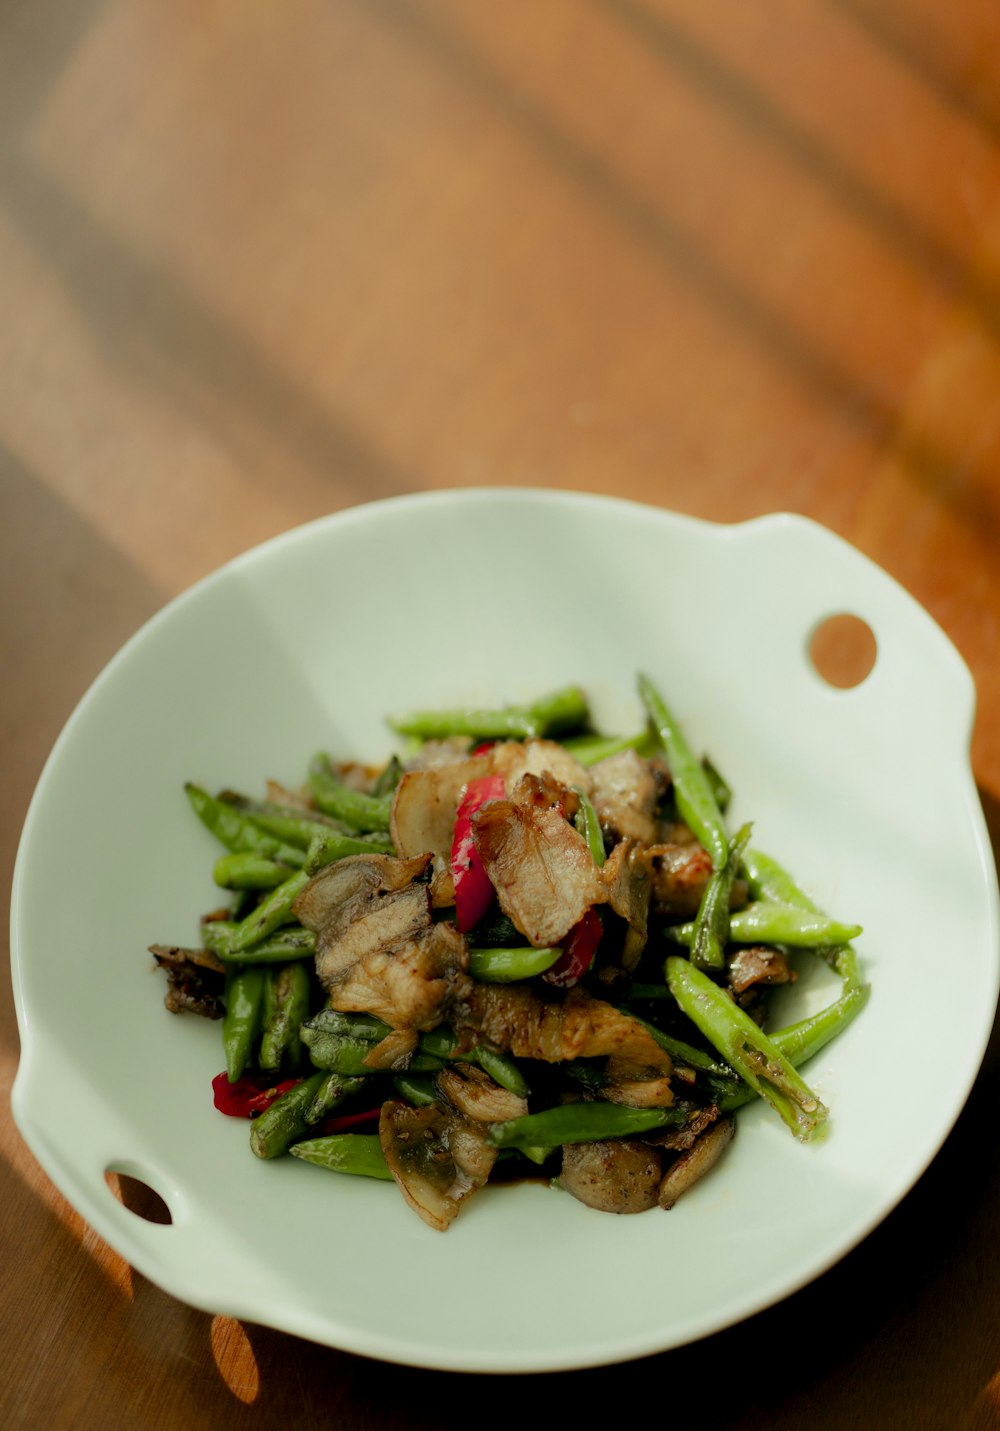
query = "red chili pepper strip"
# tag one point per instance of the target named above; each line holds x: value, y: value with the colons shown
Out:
x: 250, y: 1095
x: 343, y: 1122
x: 473, y: 890
x: 579, y: 948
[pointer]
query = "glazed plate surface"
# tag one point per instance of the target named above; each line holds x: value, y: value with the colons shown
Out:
x: 307, y: 643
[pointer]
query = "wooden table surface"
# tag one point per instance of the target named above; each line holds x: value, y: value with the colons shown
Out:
x: 260, y: 262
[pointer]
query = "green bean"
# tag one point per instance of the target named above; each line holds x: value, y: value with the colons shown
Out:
x: 765, y: 922
x: 331, y: 1093
x: 280, y: 1042
x: 581, y: 1123
x: 693, y: 792
x: 354, y: 807
x: 564, y: 709
x: 589, y: 749
x: 272, y: 912
x: 800, y: 1041
x: 288, y: 943
x: 767, y: 880
x: 738, y: 1040
x: 588, y: 825
x: 248, y: 870
x: 242, y: 1019
x: 237, y: 831
x: 720, y: 786
x: 389, y: 777
x: 357, y: 1153
x: 711, y: 927
x: 330, y: 845
x: 337, y: 1053
x: 279, y: 1126
x: 417, y: 1091
x: 505, y: 965
x: 442, y: 1043
x: 685, y: 1053
x: 290, y: 823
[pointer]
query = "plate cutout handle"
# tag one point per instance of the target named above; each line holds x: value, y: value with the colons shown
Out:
x: 136, y: 1195
x: 843, y: 650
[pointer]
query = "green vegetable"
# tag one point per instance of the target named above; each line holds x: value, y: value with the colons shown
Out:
x: 330, y: 845
x: 711, y: 928
x: 768, y: 880
x: 354, y: 807
x: 357, y: 1153
x: 505, y: 965
x: 738, y: 1040
x: 564, y: 709
x: 693, y: 790
x: 291, y: 942
x: 248, y: 870
x: 291, y: 989
x: 237, y: 831
x: 765, y: 922
x: 279, y: 1126
x: 272, y: 912
x: 589, y: 749
x: 242, y: 1020
x: 581, y: 1123
x: 589, y: 826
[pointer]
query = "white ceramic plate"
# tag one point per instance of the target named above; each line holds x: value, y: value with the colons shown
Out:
x: 306, y: 643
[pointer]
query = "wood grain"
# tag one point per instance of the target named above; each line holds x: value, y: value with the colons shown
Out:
x: 259, y: 262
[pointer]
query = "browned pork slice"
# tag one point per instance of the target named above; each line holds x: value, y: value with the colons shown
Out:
x: 757, y: 964
x: 475, y: 1095
x: 700, y: 1159
x: 542, y: 870
x: 377, y: 948
x: 437, y: 1157
x: 679, y: 876
x: 623, y: 791
x: 636, y: 1085
x: 620, y: 1175
x: 422, y: 819
x: 513, y: 760
x: 394, y: 1051
x: 409, y: 985
x: 626, y: 879
x: 358, y: 877
x: 527, y: 1023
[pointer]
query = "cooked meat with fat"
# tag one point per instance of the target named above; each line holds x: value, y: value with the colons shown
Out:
x: 620, y: 1175
x: 520, y: 1020
x: 753, y: 964
x: 422, y: 819
x: 513, y: 760
x: 542, y: 870
x: 694, y: 1164
x: 394, y: 1051
x: 679, y: 876
x: 626, y: 879
x: 474, y: 1094
x: 636, y: 1085
x: 437, y: 1157
x: 377, y: 949
x: 623, y: 791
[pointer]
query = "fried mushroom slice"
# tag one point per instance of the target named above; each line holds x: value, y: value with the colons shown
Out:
x: 541, y: 868
x: 437, y: 1157
x: 700, y: 1159
x: 619, y: 1175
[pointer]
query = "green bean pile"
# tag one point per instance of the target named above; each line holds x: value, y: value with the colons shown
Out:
x: 344, y: 1087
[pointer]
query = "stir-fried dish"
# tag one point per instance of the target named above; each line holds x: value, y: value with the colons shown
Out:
x: 519, y: 946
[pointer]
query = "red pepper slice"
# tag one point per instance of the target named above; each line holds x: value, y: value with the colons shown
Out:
x: 249, y: 1095
x: 579, y: 948
x: 343, y: 1122
x: 473, y: 890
